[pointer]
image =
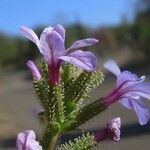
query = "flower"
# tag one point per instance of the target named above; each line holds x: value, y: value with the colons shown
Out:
x: 26, y: 141
x: 128, y: 91
x: 112, y: 131
x: 51, y: 46
x: 35, y: 72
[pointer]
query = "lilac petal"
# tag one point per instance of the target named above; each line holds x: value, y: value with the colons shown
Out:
x: 44, y: 34
x: 116, y: 135
x: 26, y: 140
x: 115, y: 122
x: 84, y: 60
x: 56, y: 44
x: 35, y: 72
x: 143, y: 90
x: 142, y: 111
x: 83, y: 43
x: 60, y: 29
x: 137, y: 105
x: 45, y: 50
x: 29, y: 33
x: 114, y: 129
x: 126, y: 103
x: 47, y: 30
x: 112, y: 67
x: 129, y: 78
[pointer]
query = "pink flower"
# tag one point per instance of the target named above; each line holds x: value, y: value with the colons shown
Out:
x: 112, y: 131
x: 26, y: 141
x: 128, y: 91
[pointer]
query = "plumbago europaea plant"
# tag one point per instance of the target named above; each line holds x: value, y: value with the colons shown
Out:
x: 65, y: 80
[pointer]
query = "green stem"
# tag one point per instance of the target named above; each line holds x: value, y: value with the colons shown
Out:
x: 49, y: 140
x: 52, y: 142
x: 59, y: 103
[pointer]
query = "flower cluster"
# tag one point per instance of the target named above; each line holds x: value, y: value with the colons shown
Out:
x: 128, y: 91
x: 51, y: 46
x: 65, y: 80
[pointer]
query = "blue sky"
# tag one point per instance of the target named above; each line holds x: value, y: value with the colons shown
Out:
x: 14, y: 13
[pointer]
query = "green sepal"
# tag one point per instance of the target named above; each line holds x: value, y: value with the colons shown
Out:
x: 68, y: 72
x: 79, y: 90
x: 44, y: 70
x: 88, y: 112
x: 51, y: 99
x: 39, y: 89
x: 85, y: 142
x: 83, y: 85
x: 58, y: 99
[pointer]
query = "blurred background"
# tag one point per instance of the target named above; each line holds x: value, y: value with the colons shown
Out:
x: 123, y: 29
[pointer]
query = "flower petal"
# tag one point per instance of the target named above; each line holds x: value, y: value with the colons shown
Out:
x: 114, y: 129
x: 115, y: 122
x: 112, y: 67
x: 60, y: 29
x: 44, y: 34
x: 45, y: 50
x: 142, y: 89
x: 130, y: 79
x: 26, y: 140
x: 35, y: 72
x: 141, y: 110
x: 126, y: 103
x: 116, y: 135
x: 30, y: 34
x: 84, y: 60
x: 83, y: 43
x: 138, y: 106
x: 48, y: 30
x: 56, y: 44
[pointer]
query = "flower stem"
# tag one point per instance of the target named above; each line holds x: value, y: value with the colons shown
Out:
x: 49, y: 140
x: 52, y: 142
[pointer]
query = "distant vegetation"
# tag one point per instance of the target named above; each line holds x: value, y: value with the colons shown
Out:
x: 136, y: 35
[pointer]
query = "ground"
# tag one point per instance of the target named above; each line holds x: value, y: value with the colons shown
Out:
x: 17, y: 113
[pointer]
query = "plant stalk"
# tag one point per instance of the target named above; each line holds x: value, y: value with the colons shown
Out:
x: 53, y: 142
